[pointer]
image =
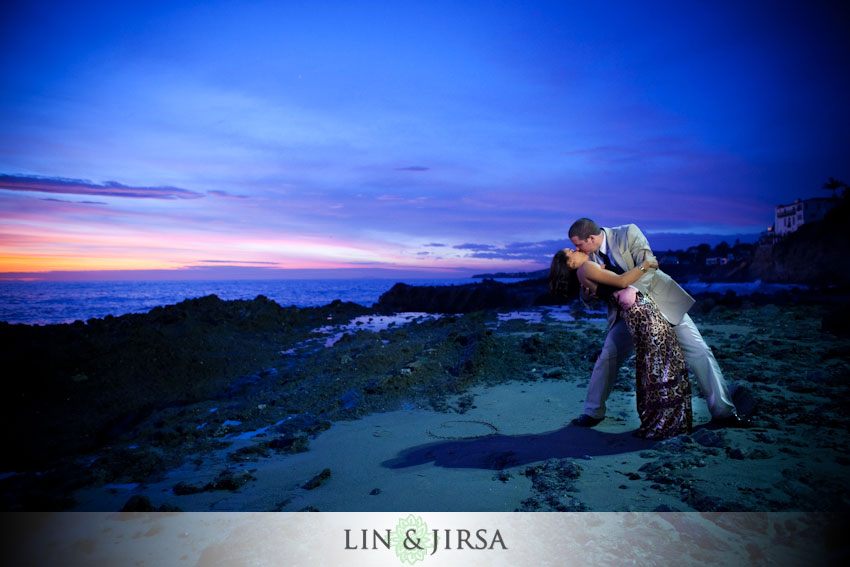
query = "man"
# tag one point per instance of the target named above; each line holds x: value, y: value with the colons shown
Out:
x: 620, y: 249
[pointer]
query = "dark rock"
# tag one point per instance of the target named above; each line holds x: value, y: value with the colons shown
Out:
x: 465, y: 403
x: 676, y: 444
x: 317, y: 480
x: 226, y: 480
x: 350, y: 399
x: 551, y: 482
x: 802, y: 387
x: 290, y: 444
x: 663, y: 508
x: 555, y: 468
x: 533, y: 344
x: 704, y: 503
x: 736, y: 454
x: 140, y: 503
x: 251, y: 453
x: 466, y: 298
x: 765, y: 437
x: 652, y: 467
x: 131, y: 366
x: 709, y: 438
x: 183, y: 488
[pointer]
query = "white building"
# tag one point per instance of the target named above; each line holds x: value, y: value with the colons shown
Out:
x: 719, y: 260
x: 791, y: 217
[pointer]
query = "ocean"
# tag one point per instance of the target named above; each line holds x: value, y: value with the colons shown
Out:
x: 46, y: 303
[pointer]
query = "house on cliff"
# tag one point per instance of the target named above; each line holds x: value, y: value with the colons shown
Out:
x: 791, y: 217
x: 719, y: 260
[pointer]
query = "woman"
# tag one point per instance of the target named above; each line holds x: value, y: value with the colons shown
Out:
x: 663, y: 389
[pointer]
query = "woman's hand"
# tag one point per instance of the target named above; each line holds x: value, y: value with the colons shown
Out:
x: 625, y: 297
x: 588, y: 293
x: 650, y: 264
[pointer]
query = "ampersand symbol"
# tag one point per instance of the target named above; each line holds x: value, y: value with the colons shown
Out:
x: 407, y: 538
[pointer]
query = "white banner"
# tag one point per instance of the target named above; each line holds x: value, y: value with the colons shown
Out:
x: 429, y: 539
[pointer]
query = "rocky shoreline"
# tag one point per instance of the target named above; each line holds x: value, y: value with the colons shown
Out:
x: 100, y: 415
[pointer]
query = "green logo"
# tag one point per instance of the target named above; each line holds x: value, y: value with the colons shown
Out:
x: 412, y: 539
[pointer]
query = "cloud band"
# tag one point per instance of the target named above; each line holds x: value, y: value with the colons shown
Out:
x: 83, y: 187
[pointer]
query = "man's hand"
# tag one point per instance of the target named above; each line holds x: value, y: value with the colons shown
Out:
x: 626, y: 297
x: 587, y: 293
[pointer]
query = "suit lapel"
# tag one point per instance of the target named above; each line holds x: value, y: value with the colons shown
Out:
x: 614, y: 244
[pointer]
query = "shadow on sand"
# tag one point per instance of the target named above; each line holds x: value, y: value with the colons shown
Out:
x: 502, y: 451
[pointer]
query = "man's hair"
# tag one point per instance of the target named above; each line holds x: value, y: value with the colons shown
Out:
x: 584, y: 228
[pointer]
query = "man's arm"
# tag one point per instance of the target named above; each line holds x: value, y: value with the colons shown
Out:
x: 586, y: 295
x: 638, y: 251
x: 638, y: 245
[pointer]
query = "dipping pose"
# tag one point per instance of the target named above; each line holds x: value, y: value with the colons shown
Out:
x: 662, y: 386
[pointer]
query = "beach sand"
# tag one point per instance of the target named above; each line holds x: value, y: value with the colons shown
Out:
x: 504, y: 442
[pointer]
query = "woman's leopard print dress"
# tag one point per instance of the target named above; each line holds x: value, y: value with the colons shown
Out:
x: 663, y: 389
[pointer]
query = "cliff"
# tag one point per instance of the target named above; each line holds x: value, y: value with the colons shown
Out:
x: 817, y: 254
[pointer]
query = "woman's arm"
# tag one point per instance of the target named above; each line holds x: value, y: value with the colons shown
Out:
x: 587, y: 291
x: 596, y: 273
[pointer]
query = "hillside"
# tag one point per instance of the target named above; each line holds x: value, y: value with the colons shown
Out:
x: 818, y: 254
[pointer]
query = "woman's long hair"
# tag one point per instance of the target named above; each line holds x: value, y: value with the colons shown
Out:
x: 563, y: 282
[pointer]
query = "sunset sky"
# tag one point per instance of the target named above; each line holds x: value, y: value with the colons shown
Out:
x: 233, y: 139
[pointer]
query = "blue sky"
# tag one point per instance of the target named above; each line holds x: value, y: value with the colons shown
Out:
x: 433, y: 137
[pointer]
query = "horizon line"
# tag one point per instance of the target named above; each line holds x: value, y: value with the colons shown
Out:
x: 247, y: 273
